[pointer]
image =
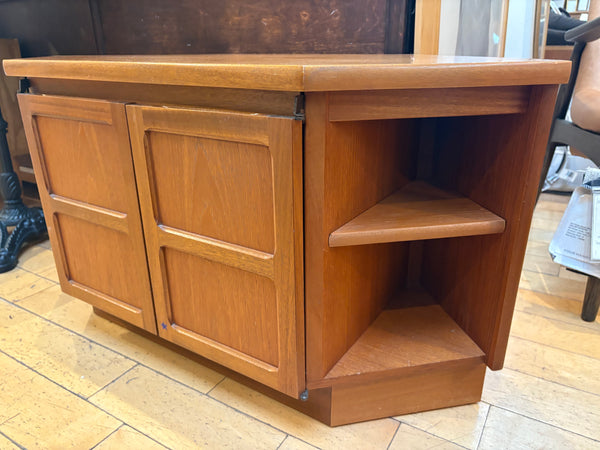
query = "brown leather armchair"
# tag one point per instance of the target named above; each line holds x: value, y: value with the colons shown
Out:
x: 583, y: 132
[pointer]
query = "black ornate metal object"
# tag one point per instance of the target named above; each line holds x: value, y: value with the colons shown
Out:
x: 29, y: 222
x: 14, y: 210
x: 31, y: 228
x: 3, y: 234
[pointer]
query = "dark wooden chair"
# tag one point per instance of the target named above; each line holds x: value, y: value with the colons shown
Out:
x: 583, y: 132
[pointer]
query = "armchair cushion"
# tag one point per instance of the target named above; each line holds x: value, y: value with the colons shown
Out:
x: 585, y: 109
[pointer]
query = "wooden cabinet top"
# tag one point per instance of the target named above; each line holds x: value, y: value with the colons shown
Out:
x: 306, y: 73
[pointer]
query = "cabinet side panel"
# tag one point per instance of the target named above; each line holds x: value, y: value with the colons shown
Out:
x: 314, y: 195
x: 349, y: 166
x: 495, y: 161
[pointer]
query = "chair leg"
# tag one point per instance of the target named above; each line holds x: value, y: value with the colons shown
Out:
x: 550, y: 148
x: 591, y: 300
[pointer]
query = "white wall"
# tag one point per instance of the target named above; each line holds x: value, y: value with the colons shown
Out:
x: 450, y: 23
x: 519, y: 30
x: 449, y: 14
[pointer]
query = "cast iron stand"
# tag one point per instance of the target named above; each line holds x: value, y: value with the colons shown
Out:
x: 28, y: 222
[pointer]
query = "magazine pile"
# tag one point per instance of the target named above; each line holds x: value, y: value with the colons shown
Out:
x: 576, y: 243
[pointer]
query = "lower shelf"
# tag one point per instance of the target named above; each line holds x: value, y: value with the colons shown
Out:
x: 404, y: 341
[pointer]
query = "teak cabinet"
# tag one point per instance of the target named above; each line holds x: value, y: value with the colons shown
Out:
x: 216, y: 195
x: 347, y: 231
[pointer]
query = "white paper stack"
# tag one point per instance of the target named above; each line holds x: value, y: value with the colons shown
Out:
x: 576, y: 243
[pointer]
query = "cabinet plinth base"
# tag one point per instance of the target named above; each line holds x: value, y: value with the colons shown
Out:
x: 459, y: 384
x: 399, y: 395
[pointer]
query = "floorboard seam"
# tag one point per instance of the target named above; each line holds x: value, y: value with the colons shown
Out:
x: 484, y: 424
x: 12, y: 441
x: 545, y: 423
x: 54, y: 282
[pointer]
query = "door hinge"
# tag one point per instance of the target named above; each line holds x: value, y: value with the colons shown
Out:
x: 304, y: 395
x: 299, y: 107
x: 24, y: 85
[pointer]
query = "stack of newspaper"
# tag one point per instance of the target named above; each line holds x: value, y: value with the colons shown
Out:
x: 576, y: 243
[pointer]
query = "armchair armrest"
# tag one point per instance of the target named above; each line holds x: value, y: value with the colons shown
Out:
x: 587, y: 32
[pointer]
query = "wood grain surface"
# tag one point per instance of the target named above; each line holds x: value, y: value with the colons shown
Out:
x: 401, y: 341
x: 342, y: 404
x: 245, y: 171
x: 82, y: 158
x: 408, y: 103
x: 318, y: 404
x: 217, y: 196
x: 237, y: 26
x: 227, y: 208
x: 349, y: 167
x: 70, y: 27
x: 234, y: 307
x: 449, y: 386
x: 266, y: 102
x: 415, y: 212
x: 476, y: 278
x: 297, y: 72
x: 427, y: 26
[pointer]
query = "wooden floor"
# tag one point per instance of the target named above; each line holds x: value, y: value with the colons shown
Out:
x: 69, y: 379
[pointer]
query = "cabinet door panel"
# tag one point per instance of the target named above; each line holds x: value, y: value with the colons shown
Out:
x: 254, y: 333
x: 221, y: 201
x: 222, y: 175
x: 82, y: 159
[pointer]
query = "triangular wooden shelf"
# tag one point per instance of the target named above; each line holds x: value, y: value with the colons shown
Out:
x: 417, y: 211
x: 404, y: 340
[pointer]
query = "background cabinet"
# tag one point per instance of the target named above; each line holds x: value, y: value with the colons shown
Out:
x: 84, y: 27
x: 89, y: 27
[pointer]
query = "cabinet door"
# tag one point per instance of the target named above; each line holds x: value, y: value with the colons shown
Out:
x: 221, y: 200
x: 82, y: 159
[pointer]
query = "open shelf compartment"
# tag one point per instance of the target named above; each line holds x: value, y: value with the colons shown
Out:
x: 419, y: 336
x: 415, y: 212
